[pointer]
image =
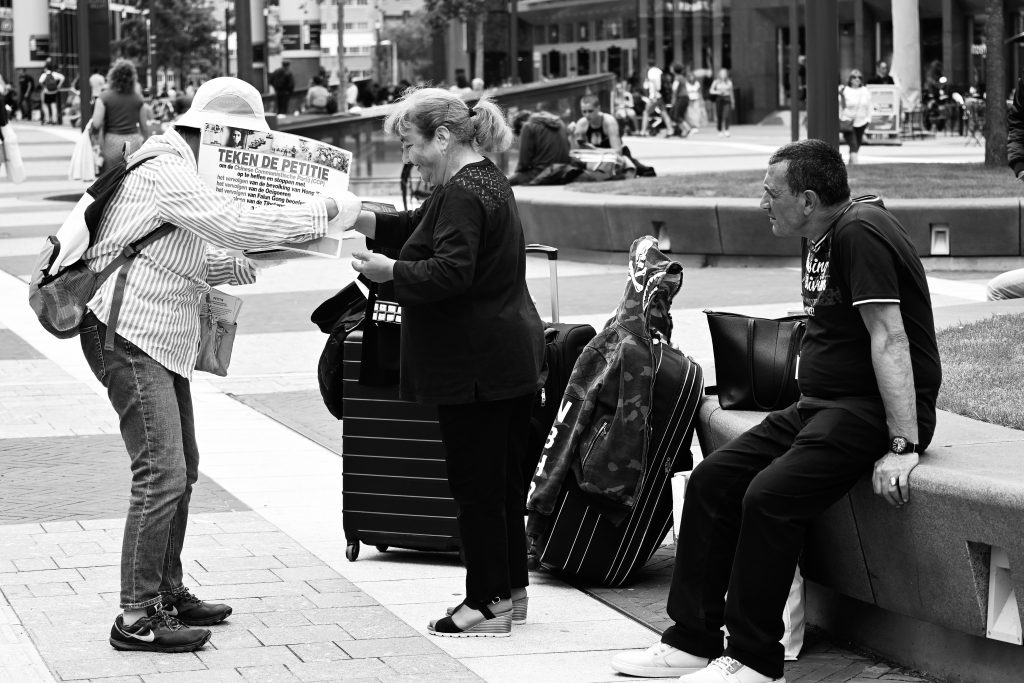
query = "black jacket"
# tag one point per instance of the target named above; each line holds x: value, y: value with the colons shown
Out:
x: 470, y: 331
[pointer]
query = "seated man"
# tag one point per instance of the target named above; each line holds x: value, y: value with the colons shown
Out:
x: 317, y: 97
x: 543, y: 140
x: 869, y: 377
x: 596, y: 130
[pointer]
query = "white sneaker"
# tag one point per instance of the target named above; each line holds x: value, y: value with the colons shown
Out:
x: 728, y: 670
x: 658, y: 661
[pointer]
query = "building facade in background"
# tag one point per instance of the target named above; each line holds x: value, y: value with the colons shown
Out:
x: 751, y: 38
x: 552, y: 39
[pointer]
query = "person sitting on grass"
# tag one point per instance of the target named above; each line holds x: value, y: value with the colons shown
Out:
x: 595, y: 129
x: 543, y: 141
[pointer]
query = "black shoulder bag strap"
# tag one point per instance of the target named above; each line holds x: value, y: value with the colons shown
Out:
x: 125, y: 258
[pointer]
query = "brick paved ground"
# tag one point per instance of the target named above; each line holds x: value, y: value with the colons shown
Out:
x: 294, y: 617
x: 87, y: 477
x: 644, y: 599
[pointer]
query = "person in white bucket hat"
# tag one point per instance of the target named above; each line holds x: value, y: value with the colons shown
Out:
x: 228, y: 102
x: 146, y: 366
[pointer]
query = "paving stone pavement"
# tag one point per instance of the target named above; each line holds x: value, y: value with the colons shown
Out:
x: 87, y: 477
x: 294, y: 617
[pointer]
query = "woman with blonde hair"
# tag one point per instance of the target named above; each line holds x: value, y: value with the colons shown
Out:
x: 118, y: 114
x: 472, y: 342
x: 854, y: 112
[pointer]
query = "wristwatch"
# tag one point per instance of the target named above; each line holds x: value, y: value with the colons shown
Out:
x: 899, y: 445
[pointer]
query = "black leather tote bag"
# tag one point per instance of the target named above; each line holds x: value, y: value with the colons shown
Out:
x: 756, y: 360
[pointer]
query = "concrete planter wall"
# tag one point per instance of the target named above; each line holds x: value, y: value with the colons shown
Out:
x: 739, y: 227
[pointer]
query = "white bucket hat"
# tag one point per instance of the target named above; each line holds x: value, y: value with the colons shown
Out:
x: 226, y: 101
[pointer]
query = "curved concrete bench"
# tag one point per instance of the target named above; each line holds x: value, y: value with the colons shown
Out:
x: 568, y: 219
x: 914, y: 583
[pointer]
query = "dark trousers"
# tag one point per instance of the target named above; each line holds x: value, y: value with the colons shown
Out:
x: 485, y: 448
x: 282, y: 99
x: 745, y: 514
x: 723, y: 111
x: 854, y: 138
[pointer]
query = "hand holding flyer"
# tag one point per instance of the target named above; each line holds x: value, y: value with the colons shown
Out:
x: 349, y: 207
x: 276, y: 169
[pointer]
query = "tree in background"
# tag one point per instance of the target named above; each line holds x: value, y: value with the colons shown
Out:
x: 995, y: 85
x: 182, y: 32
x: 440, y: 12
x: 413, y: 39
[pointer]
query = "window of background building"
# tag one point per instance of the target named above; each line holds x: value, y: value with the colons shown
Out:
x: 599, y: 29
x: 583, y: 32
x: 553, y: 33
x: 629, y: 28
x: 613, y: 29
x: 540, y: 35
x: 568, y: 33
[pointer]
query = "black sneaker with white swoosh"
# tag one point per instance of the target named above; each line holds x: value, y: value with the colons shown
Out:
x: 192, y: 611
x: 157, y: 632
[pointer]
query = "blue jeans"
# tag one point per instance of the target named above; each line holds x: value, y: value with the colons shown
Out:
x: 155, y: 410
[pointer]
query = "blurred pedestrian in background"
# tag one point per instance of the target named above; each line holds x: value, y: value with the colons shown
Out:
x: 722, y: 93
x: 696, y: 114
x: 680, y: 101
x: 854, y: 112
x: 51, y: 80
x: 624, y: 109
x: 117, y: 116
x: 26, y: 91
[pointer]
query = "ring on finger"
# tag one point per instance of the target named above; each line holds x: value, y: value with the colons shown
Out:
x: 893, y: 481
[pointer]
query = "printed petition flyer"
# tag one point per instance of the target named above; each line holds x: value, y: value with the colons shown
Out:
x: 274, y: 168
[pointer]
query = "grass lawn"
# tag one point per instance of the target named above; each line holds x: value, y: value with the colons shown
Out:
x: 890, y: 181
x: 983, y: 370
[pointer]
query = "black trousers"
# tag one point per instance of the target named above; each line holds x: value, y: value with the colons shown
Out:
x: 745, y: 514
x: 485, y: 448
x: 282, y: 99
x: 855, y: 138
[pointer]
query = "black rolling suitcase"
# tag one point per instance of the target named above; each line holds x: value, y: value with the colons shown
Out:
x: 394, y: 483
x: 564, y: 342
x: 585, y: 544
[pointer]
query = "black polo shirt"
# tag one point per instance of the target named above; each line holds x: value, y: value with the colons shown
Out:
x: 867, y: 257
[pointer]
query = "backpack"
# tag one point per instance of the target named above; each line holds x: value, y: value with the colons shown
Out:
x: 62, y: 284
x: 332, y: 105
x: 50, y: 82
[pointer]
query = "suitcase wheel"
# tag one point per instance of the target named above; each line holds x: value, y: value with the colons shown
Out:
x: 383, y: 548
x: 352, y: 551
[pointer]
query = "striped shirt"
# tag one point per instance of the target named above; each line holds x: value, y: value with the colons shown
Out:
x: 160, y: 311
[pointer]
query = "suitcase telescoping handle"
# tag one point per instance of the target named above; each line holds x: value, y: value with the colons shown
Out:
x: 552, y: 254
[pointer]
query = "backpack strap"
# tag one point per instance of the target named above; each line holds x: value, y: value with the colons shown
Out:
x: 125, y: 258
x: 129, y: 252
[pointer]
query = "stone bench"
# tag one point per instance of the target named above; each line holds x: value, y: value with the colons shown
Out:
x: 937, y: 585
